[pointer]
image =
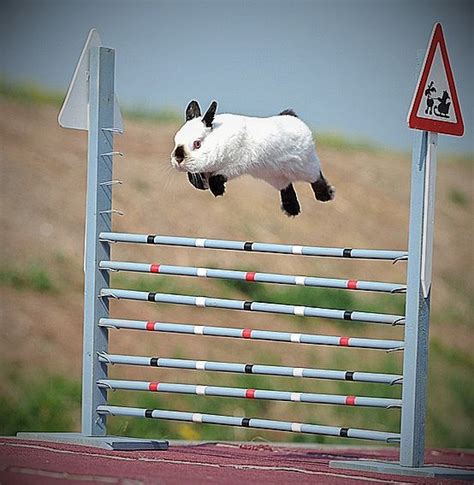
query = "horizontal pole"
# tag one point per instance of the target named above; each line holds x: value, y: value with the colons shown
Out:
x: 253, y: 276
x: 305, y: 397
x: 302, y: 311
x: 364, y: 434
x: 248, y: 333
x: 377, y: 254
x: 255, y: 369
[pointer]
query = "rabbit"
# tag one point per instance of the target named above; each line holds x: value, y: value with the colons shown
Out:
x: 280, y: 150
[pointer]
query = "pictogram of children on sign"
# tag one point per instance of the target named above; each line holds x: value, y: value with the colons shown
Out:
x: 444, y: 103
x: 429, y: 91
x: 443, y: 106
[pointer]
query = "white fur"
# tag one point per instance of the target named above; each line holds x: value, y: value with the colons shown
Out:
x: 279, y: 149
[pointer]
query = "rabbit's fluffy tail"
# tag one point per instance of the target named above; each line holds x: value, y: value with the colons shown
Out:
x: 322, y: 190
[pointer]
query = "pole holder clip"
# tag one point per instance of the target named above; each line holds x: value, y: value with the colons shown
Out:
x: 112, y: 211
x: 111, y: 154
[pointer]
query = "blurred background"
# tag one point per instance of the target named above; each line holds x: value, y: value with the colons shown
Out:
x: 349, y: 69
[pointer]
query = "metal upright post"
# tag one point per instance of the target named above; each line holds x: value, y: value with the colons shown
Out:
x: 98, y: 218
x: 91, y: 105
x: 417, y: 318
x: 420, y: 248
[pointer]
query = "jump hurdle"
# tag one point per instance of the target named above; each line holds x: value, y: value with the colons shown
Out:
x: 97, y: 112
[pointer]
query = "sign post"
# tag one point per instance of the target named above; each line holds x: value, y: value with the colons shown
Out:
x: 434, y: 109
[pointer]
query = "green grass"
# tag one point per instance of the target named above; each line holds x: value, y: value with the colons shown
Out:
x: 32, y: 93
x: 49, y: 403
x: 160, y: 284
x: 456, y: 358
x: 29, y: 93
x: 31, y: 277
x: 167, y: 115
x: 458, y: 197
x: 343, y: 143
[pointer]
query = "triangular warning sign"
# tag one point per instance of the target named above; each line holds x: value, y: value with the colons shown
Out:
x: 74, y: 111
x: 435, y: 105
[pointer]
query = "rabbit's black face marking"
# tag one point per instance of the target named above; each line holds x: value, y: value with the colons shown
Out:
x: 190, y: 151
x: 289, y: 201
x: 179, y: 153
x: 189, y: 145
x: 193, y: 110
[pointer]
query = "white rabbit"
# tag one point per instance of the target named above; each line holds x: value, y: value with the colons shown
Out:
x: 279, y: 150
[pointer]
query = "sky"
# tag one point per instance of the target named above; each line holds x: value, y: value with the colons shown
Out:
x: 346, y: 66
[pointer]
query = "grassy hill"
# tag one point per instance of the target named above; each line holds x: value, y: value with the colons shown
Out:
x: 43, y: 172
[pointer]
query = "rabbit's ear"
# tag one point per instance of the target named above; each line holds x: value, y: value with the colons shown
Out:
x: 193, y: 110
x: 208, y: 118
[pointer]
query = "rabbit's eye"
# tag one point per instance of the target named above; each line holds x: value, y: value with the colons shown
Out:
x: 197, y: 144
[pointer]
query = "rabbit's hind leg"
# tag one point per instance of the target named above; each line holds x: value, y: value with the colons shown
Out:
x: 322, y: 190
x: 289, y: 201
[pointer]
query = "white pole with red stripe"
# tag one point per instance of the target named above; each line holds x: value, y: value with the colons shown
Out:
x: 306, y: 397
x: 248, y: 333
x: 309, y: 281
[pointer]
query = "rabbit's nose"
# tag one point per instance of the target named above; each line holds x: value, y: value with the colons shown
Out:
x: 179, y: 153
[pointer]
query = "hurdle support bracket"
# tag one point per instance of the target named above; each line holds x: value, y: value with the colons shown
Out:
x: 394, y: 468
x: 116, y: 443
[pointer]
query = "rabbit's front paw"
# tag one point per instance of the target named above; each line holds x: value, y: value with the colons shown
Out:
x: 217, y: 184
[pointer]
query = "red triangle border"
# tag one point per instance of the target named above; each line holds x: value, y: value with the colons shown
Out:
x: 426, y: 124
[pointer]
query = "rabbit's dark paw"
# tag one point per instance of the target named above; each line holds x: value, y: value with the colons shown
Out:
x: 198, y: 180
x: 322, y: 190
x: 289, y: 202
x: 217, y: 184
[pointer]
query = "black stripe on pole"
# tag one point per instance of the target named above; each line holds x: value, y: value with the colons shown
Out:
x: 347, y: 253
x: 151, y: 239
x: 245, y: 422
x: 248, y: 305
x: 148, y: 413
x: 349, y: 376
x: 343, y: 432
x: 248, y: 368
x: 347, y: 315
x: 151, y: 296
x: 154, y: 361
x: 248, y: 246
